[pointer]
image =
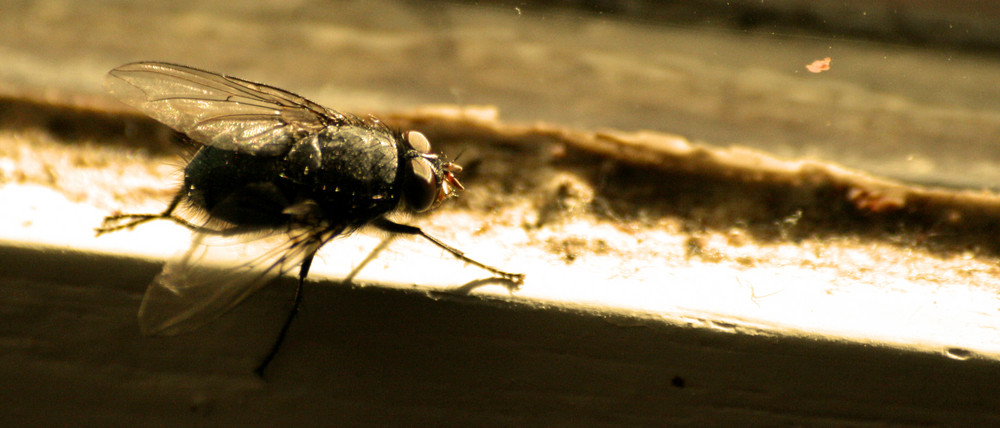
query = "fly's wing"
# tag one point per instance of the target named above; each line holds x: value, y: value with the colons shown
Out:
x: 193, y: 290
x: 219, y: 111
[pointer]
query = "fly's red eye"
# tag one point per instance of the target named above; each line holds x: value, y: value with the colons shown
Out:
x: 422, y: 188
x: 418, y: 141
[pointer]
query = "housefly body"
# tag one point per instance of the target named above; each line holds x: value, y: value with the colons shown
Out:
x: 271, y: 164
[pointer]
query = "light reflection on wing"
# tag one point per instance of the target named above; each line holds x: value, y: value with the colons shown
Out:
x: 220, y: 111
x: 202, y: 283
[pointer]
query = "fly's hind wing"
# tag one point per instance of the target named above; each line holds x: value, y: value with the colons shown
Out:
x: 220, y: 111
x: 205, y: 281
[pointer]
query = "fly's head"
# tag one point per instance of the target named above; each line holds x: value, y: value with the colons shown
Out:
x: 430, y: 180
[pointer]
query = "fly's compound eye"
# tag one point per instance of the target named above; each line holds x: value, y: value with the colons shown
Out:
x: 418, y: 141
x: 422, y: 189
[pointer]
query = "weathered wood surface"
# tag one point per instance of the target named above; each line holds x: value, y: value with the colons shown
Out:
x: 669, y: 282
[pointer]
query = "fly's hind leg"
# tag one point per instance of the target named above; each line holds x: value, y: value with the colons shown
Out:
x: 114, y: 223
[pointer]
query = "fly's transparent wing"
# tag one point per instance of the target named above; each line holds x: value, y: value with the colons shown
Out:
x: 220, y: 111
x: 202, y: 284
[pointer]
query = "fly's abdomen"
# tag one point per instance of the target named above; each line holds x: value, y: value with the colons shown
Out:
x: 240, y: 189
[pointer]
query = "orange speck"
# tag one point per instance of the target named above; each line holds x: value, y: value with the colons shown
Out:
x: 819, y: 66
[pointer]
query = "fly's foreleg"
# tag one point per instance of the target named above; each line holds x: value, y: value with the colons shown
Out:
x: 389, y: 226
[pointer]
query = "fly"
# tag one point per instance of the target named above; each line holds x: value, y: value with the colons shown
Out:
x: 271, y: 165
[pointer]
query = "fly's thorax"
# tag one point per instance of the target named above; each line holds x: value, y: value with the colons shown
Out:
x: 349, y: 169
